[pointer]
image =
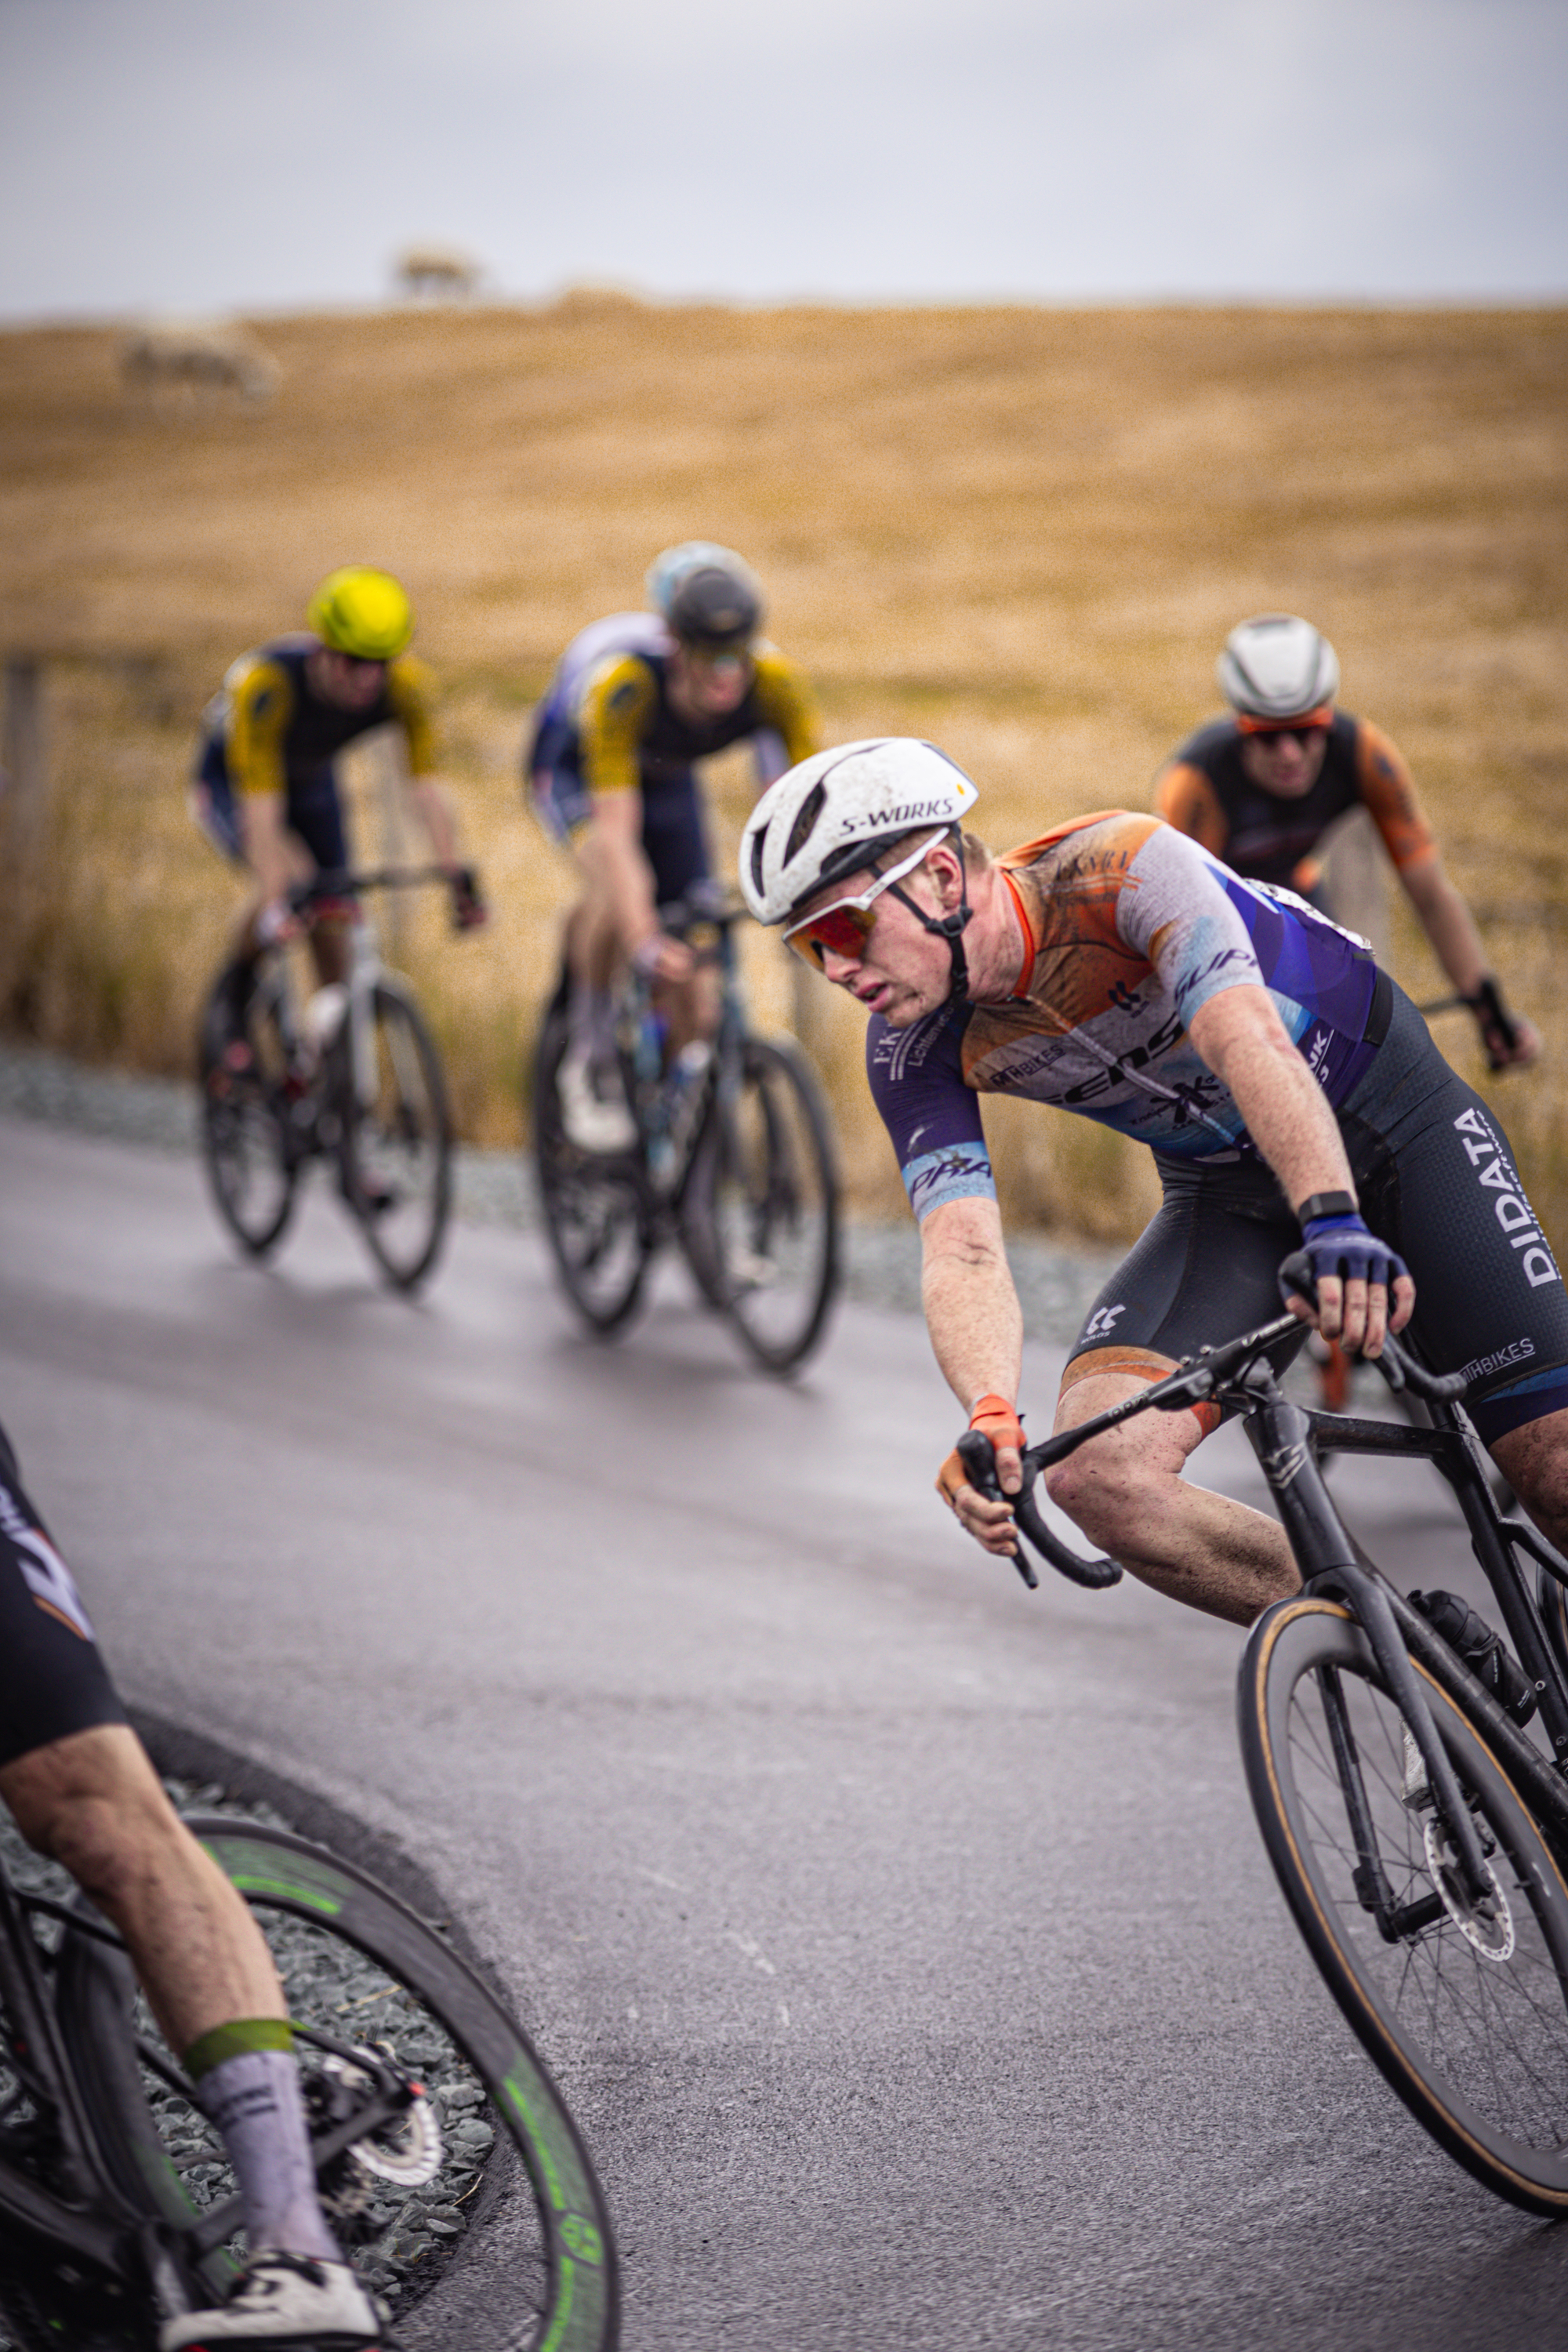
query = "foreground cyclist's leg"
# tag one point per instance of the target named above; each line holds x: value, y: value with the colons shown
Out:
x: 1205, y: 1267
x: 1127, y: 1492
x: 1533, y: 1458
x: 94, y: 1803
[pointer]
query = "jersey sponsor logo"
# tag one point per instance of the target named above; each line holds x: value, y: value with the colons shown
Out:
x: 1317, y: 1052
x: 1101, y: 1323
x: 624, y: 695
x: 1220, y: 962
x: 1517, y: 1351
x: 1495, y: 1172
x: 962, y: 1173
x: 48, y: 1578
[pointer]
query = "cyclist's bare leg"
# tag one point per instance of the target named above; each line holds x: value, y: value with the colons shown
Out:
x: 95, y: 1805
x: 1126, y: 1491
x: 1534, y: 1461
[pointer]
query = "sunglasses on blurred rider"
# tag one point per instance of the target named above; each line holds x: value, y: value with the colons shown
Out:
x: 1312, y: 722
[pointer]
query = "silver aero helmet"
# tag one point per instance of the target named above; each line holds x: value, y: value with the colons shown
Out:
x: 1278, y: 668
x: 826, y: 818
x: 710, y: 595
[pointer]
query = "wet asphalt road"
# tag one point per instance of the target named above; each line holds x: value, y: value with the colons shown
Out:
x: 903, y: 1941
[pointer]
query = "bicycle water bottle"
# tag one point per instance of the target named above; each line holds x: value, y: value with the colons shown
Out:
x: 1465, y: 1631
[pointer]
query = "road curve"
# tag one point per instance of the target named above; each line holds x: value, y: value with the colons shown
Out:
x: 903, y: 1941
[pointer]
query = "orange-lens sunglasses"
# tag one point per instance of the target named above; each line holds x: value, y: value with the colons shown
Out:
x: 843, y: 928
x: 1311, y: 722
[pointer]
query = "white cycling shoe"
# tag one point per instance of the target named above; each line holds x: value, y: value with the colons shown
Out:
x: 593, y: 1122
x: 282, y: 2303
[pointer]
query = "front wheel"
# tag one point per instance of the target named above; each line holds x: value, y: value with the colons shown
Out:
x: 761, y: 1205
x: 1462, y: 2007
x: 397, y: 1143
x: 453, y: 2174
x: 592, y: 1203
x: 248, y: 1098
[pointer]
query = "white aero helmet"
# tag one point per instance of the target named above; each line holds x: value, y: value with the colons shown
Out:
x: 826, y: 816
x: 1278, y: 668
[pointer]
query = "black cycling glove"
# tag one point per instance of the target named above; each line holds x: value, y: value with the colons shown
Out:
x: 468, y: 908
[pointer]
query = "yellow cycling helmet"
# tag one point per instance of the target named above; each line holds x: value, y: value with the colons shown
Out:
x: 361, y: 612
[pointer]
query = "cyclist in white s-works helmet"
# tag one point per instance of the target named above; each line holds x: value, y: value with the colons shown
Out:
x: 1262, y: 788
x: 1290, y: 1094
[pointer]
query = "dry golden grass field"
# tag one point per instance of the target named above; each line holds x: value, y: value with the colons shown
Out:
x: 1021, y: 533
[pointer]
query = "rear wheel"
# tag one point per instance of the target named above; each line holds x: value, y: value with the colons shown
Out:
x: 397, y: 1135
x: 247, y: 1101
x: 467, y: 2188
x: 593, y: 1204
x: 763, y: 1206
x: 1462, y: 2006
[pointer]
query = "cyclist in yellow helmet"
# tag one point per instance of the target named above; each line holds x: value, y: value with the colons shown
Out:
x: 265, y: 786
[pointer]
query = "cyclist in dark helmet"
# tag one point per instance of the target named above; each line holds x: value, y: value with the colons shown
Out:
x: 637, y: 701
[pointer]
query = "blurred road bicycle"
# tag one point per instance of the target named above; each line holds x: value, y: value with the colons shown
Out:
x: 446, y: 2160
x: 1420, y: 1836
x: 732, y: 1162
x: 353, y: 1080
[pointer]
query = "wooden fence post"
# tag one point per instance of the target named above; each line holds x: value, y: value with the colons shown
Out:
x: 23, y: 756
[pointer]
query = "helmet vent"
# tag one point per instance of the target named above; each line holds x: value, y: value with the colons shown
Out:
x: 801, y: 831
x: 758, y: 843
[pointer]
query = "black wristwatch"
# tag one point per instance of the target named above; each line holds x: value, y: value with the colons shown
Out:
x: 1327, y: 1204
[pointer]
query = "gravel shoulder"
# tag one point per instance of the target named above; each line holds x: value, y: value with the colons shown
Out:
x: 1057, y: 1284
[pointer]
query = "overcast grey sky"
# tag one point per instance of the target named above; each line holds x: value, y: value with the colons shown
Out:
x: 194, y: 154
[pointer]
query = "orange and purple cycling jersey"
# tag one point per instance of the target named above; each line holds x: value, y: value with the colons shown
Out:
x: 1206, y: 793
x: 1128, y: 928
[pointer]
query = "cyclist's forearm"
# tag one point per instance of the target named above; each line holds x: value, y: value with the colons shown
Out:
x: 1286, y: 1115
x: 628, y: 874
x: 1447, y: 923
x: 262, y: 839
x: 971, y: 1307
x: 428, y: 797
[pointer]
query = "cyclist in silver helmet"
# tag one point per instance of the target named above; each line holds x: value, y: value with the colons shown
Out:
x: 1261, y: 789
x: 637, y: 701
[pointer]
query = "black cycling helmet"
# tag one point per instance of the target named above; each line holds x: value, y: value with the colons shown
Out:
x: 714, y: 610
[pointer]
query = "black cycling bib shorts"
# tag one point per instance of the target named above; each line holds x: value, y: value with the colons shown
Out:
x: 1436, y: 1178
x: 53, y: 1681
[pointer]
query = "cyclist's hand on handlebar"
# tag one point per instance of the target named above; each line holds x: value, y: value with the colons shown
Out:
x: 989, y: 1522
x: 277, y: 923
x: 1356, y: 1276
x: 1510, y: 1042
x: 470, y: 911
x: 660, y: 957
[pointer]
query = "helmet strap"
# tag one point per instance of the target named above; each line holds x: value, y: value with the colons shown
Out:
x: 950, y: 927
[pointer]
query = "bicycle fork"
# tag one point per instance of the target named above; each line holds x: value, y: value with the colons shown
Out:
x: 1280, y: 1435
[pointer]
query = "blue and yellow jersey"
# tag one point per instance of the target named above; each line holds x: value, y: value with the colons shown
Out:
x: 606, y: 716
x: 273, y: 730
x: 625, y: 721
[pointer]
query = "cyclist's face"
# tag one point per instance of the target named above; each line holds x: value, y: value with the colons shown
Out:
x: 351, y: 684
x: 904, y: 971
x: 708, y: 685
x: 1288, y: 764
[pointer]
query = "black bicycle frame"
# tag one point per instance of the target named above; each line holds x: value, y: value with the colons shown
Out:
x: 43, y: 2069
x: 1287, y: 1441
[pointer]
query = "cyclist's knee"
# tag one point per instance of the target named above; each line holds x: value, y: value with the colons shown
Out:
x: 93, y: 1803
x: 1534, y: 1461
x: 1112, y: 1488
